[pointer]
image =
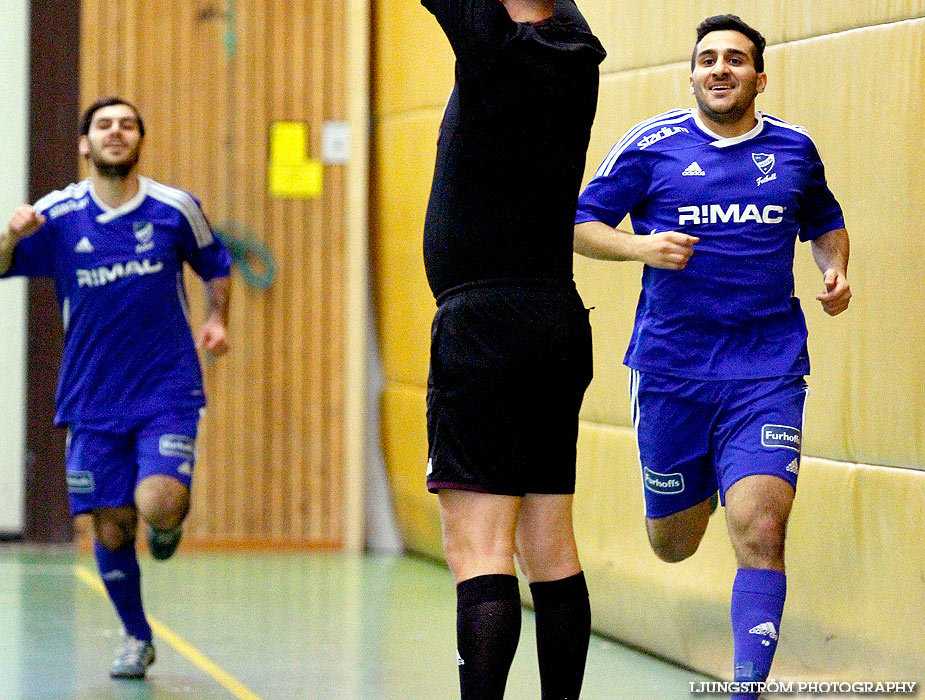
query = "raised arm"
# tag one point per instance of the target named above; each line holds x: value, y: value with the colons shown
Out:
x: 476, y: 28
x: 830, y: 251
x: 24, y: 222
x: 669, y: 250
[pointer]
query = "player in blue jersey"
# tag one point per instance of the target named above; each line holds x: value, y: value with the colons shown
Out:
x: 130, y: 387
x: 717, y: 196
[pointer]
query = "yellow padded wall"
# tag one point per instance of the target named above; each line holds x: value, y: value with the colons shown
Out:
x: 403, y: 163
x: 645, y: 33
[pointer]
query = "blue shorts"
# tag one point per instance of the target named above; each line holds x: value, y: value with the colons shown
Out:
x: 104, y: 466
x: 697, y: 436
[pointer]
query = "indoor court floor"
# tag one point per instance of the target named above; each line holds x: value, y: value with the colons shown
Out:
x: 269, y: 626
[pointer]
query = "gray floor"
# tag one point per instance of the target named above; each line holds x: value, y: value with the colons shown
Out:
x: 269, y: 627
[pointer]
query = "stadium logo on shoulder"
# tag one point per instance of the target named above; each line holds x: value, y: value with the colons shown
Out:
x: 663, y: 483
x: 662, y: 133
x: 781, y: 436
x: 68, y: 205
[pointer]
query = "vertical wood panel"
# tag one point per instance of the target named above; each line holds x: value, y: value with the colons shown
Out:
x: 270, y: 448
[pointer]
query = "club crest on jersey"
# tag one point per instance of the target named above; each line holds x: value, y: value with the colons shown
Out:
x: 781, y: 436
x: 144, y: 234
x: 765, y: 163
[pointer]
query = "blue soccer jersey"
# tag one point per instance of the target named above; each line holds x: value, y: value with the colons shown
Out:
x: 128, y: 349
x: 731, y: 312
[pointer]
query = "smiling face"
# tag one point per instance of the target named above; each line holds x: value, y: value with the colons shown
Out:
x: 113, y: 141
x: 725, y: 82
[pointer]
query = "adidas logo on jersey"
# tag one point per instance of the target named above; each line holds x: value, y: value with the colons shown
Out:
x: 83, y: 246
x: 794, y: 466
x: 693, y: 169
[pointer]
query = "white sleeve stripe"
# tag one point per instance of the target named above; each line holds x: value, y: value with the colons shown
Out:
x: 636, y: 132
x: 73, y: 191
x: 785, y: 125
x: 181, y: 295
x: 631, y: 134
x: 186, y: 205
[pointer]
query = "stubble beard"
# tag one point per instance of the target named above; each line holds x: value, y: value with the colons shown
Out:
x: 729, y: 116
x: 115, y: 171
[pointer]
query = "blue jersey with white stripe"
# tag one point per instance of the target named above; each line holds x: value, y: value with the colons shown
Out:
x: 128, y: 349
x: 731, y: 312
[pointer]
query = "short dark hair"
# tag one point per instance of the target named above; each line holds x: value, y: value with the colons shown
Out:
x: 719, y: 23
x: 87, y: 117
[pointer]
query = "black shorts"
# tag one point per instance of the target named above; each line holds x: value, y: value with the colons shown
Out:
x: 509, y: 367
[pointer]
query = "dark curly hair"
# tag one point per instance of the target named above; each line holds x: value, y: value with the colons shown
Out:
x: 719, y: 23
x: 87, y: 117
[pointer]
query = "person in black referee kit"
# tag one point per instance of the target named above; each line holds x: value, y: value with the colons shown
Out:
x: 511, y: 342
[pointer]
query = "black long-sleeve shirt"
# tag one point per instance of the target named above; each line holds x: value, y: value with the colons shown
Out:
x: 512, y: 145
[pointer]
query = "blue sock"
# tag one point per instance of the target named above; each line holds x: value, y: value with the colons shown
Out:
x: 757, y: 606
x: 122, y: 578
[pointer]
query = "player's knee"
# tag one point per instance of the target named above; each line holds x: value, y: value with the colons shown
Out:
x: 549, y: 563
x: 672, y: 547
x: 468, y: 557
x: 672, y: 552
x: 114, y: 530
x: 163, y: 502
x: 759, y: 539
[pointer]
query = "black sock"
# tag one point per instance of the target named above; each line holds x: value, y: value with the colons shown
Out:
x: 563, y: 630
x: 487, y: 632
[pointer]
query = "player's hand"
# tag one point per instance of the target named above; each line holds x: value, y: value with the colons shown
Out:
x: 213, y: 337
x: 668, y: 250
x: 837, y: 292
x: 25, y: 221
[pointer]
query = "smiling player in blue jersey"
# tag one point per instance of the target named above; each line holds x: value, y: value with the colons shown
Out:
x: 130, y: 387
x: 717, y: 196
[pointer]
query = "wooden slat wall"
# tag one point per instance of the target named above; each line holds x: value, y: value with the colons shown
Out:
x: 270, y: 465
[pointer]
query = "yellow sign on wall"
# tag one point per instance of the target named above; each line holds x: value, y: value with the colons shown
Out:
x: 290, y: 172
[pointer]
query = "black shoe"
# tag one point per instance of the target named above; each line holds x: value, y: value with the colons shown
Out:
x: 163, y: 543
